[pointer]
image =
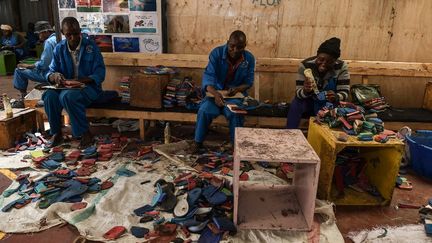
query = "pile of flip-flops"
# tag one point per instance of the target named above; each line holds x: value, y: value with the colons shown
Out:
x: 350, y: 172
x: 29, y: 141
x: 376, y: 104
x: 425, y: 213
x: 199, y: 204
x: 354, y: 120
x: 62, y: 185
x: 159, y: 69
x: 69, y: 173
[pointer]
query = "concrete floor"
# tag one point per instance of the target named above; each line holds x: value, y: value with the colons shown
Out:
x: 352, y: 218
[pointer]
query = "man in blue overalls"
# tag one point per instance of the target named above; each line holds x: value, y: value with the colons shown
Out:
x: 12, y: 41
x: 78, y: 59
x: 230, y: 68
x: 36, y: 72
x: 332, y: 80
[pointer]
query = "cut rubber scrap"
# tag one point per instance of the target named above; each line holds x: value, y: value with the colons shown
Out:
x: 225, y: 224
x: 139, y: 232
x: 83, y: 171
x: 88, y: 162
x: 403, y: 183
x: 114, y: 233
x: 74, y: 154
x: 75, y: 189
x: 207, y: 236
x: 78, y: 206
x: 89, y: 150
x: 193, y: 196
x: 213, y: 195
x: 125, y: 172
x: 142, y: 210
x: 57, y: 156
x: 95, y: 188
x: 146, y: 218
x: 50, y: 164
x: 9, y: 206
x: 106, y: 185
x: 93, y: 180
x: 74, y: 199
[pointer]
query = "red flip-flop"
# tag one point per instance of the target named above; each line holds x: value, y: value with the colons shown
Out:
x: 78, y: 206
x: 114, y: 233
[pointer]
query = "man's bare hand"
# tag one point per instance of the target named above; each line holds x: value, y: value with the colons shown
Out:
x: 331, y: 96
x: 307, y: 85
x: 232, y: 91
x: 57, y: 79
x: 219, y: 100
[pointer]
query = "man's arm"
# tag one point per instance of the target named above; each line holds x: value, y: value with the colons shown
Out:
x: 98, y: 75
x: 54, y: 73
x: 21, y: 41
x: 209, y: 76
x: 302, y: 84
x: 46, y: 57
x: 343, y: 83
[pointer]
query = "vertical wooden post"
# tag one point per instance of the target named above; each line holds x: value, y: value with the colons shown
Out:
x: 256, y: 86
x: 142, y: 128
x: 365, y: 79
x: 55, y: 11
x: 40, y: 121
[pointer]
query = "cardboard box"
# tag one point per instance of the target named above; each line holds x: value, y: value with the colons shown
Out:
x: 147, y: 90
x: 11, y: 129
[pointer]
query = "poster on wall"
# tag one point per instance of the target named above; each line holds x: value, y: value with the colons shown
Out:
x: 142, y: 5
x: 151, y: 44
x: 116, y: 23
x: 67, y: 13
x: 66, y: 4
x: 143, y: 22
x: 104, y: 42
x: 126, y: 44
x: 116, y: 6
x: 91, y: 22
x: 88, y: 5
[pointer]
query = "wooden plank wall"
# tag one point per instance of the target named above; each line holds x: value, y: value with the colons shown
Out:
x: 387, y: 30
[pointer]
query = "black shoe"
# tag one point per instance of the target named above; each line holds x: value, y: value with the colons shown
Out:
x: 18, y: 104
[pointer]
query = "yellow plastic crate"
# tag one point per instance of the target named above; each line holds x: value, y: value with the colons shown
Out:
x: 382, y: 167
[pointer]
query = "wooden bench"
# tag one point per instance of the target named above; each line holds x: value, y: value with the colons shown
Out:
x: 119, y: 64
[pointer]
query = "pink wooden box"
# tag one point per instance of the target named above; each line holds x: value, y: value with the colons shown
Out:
x: 262, y: 205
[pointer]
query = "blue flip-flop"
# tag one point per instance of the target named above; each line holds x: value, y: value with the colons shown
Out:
x: 213, y: 195
x: 193, y: 196
x: 142, y: 210
x: 93, y: 181
x: 139, y: 232
x: 207, y: 236
x: 57, y: 156
x: 125, y: 172
x: 225, y: 224
x: 50, y: 164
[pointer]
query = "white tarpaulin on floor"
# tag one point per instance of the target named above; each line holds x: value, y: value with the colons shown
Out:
x: 114, y: 207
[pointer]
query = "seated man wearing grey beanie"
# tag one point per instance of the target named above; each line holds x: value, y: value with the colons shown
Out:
x: 331, y: 84
x: 36, y: 72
